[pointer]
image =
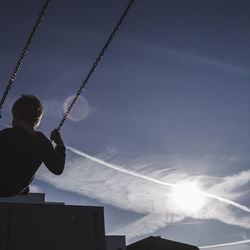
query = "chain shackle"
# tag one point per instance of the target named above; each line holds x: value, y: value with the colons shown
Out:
x: 24, y: 51
x: 98, y: 59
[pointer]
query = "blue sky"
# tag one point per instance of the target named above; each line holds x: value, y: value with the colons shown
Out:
x: 160, y: 136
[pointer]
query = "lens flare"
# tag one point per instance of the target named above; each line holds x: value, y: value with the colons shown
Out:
x: 80, y: 110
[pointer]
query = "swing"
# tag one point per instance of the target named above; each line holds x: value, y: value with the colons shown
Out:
x: 24, y: 51
x: 92, y: 69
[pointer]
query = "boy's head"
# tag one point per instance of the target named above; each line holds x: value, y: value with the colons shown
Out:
x: 27, y: 109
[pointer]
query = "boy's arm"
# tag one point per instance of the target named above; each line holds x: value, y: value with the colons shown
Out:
x: 54, y: 158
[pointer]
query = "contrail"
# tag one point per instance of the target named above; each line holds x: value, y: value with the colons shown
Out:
x: 118, y: 168
x: 226, y: 244
x: 133, y: 173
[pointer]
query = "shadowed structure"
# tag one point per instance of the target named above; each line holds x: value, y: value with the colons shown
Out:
x: 28, y: 222
x: 157, y: 243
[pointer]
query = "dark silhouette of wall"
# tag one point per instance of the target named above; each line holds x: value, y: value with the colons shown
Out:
x: 115, y: 242
x: 51, y: 227
x: 158, y: 243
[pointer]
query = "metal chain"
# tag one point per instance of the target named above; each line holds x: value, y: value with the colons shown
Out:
x: 24, y: 51
x: 98, y: 59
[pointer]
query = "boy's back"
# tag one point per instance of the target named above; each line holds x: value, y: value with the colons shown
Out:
x: 21, y: 154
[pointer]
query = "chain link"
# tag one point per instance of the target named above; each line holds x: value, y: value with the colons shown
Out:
x: 24, y: 51
x: 98, y: 59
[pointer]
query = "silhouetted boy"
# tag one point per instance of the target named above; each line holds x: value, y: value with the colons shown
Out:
x: 22, y: 149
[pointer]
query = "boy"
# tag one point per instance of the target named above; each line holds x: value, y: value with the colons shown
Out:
x: 22, y: 149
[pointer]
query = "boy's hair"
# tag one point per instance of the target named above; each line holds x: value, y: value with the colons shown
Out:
x: 27, y: 108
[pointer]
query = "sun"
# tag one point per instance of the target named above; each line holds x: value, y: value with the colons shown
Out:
x: 187, y: 197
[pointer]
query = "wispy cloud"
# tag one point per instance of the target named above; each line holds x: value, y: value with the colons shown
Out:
x: 187, y: 56
x: 164, y: 183
x: 141, y: 188
x: 148, y: 224
x: 226, y: 244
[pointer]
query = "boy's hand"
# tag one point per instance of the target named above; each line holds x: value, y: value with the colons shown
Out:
x: 56, y: 137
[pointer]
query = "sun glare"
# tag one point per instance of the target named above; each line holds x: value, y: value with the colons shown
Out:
x: 188, y: 197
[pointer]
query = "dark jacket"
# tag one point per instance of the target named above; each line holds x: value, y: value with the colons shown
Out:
x: 21, y: 154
